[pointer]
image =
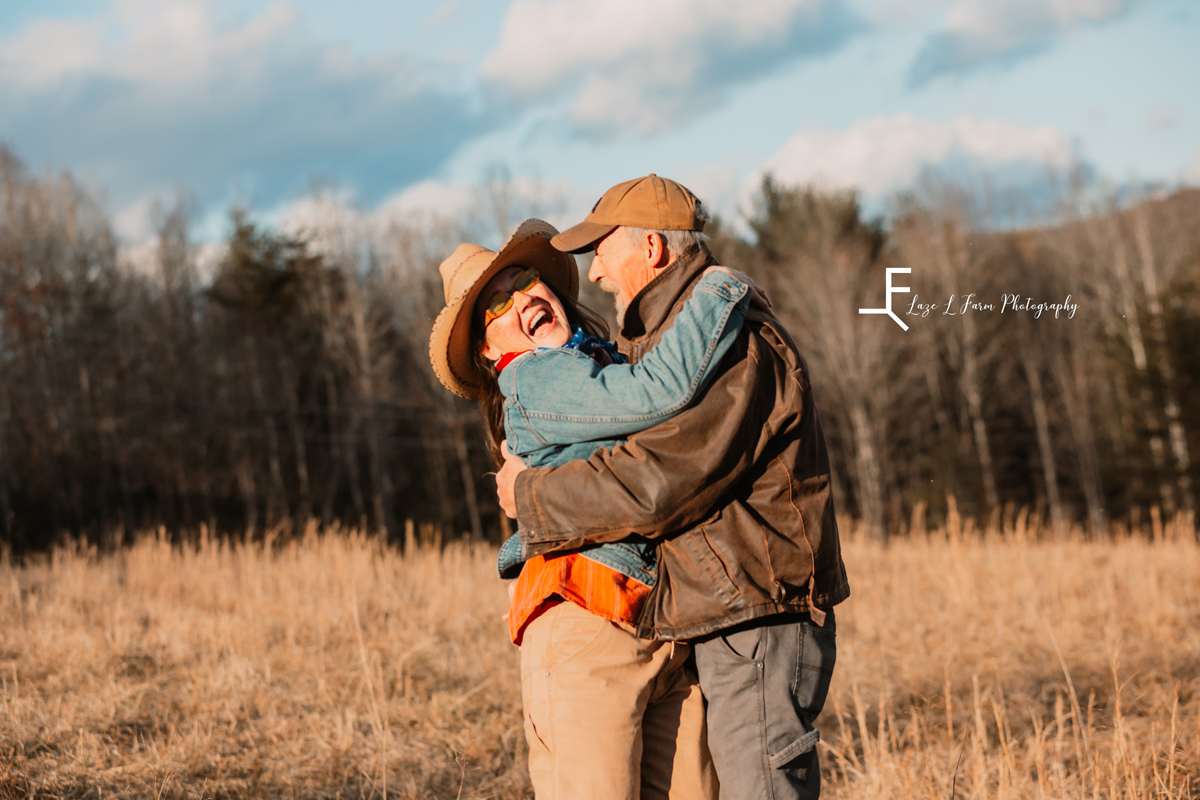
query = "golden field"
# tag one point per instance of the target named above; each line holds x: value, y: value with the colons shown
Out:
x: 1006, y: 663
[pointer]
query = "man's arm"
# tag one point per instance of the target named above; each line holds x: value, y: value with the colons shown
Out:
x: 566, y: 397
x: 666, y: 478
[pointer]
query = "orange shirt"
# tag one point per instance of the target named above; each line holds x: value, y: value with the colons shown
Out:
x: 546, y: 581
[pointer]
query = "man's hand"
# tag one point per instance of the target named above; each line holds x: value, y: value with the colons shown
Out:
x: 758, y: 297
x: 506, y: 481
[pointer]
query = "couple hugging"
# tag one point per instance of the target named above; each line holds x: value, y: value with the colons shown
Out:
x: 677, y: 560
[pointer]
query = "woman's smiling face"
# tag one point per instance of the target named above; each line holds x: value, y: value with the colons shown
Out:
x: 536, y: 318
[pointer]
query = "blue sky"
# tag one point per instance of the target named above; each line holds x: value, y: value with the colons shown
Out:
x: 404, y: 105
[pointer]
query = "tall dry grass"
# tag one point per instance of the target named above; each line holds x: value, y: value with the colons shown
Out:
x: 330, y: 666
x: 1003, y: 663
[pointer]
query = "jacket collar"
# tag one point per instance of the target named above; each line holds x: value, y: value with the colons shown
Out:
x: 651, y: 307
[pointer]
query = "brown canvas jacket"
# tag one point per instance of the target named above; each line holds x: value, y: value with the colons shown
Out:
x: 735, y: 488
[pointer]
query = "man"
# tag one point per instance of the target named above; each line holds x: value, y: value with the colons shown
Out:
x: 735, y: 490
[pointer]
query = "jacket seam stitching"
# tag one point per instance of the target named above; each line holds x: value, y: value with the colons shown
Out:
x: 812, y: 553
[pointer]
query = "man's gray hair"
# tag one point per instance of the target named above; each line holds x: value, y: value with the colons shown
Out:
x: 676, y: 241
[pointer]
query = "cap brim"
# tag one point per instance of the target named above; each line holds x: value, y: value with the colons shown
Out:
x: 580, y: 238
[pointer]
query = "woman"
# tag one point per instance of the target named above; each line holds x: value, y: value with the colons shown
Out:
x: 607, y: 715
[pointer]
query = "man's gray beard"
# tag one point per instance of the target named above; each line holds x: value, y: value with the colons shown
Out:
x: 619, y: 301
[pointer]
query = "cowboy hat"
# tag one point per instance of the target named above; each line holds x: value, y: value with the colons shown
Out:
x: 466, y: 272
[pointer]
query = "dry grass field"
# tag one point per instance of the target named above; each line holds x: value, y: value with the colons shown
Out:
x: 1006, y: 663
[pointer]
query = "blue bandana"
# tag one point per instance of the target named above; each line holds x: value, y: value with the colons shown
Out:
x: 602, y: 350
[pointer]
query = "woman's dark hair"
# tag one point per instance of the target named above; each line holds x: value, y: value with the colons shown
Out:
x: 491, y: 404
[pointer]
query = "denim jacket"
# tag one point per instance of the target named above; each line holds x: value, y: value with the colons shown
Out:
x: 561, y: 404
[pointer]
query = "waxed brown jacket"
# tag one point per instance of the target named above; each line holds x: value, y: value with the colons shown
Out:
x: 735, y: 489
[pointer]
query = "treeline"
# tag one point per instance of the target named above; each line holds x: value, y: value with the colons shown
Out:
x: 1091, y: 414
x: 288, y: 377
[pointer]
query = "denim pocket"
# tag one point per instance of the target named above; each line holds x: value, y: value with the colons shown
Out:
x: 743, y: 645
x: 814, y: 668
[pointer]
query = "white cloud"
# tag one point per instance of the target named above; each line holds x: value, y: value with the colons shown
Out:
x: 979, y: 32
x: 134, y: 222
x: 323, y: 215
x: 903, y: 12
x: 142, y: 258
x: 444, y: 14
x: 152, y: 94
x: 544, y: 42
x: 483, y: 213
x: 162, y: 43
x: 1162, y: 117
x: 48, y: 50
x: 885, y: 154
x: 442, y: 199
x: 718, y: 186
x: 639, y: 67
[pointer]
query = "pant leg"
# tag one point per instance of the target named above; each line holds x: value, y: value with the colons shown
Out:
x: 765, y: 684
x: 676, y: 762
x: 587, y: 685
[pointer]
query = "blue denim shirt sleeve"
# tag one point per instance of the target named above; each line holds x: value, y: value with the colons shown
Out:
x: 564, y: 396
x: 511, y: 557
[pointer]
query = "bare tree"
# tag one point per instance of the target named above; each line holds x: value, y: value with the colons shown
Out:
x: 821, y: 262
x: 1171, y: 410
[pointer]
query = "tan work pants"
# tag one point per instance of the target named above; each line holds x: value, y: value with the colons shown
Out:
x: 611, y: 716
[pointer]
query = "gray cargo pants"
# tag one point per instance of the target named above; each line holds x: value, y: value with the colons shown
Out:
x: 765, y: 683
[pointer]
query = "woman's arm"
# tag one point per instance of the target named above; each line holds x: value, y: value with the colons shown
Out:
x: 566, y: 397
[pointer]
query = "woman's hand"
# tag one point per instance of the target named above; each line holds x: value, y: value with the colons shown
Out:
x: 758, y: 297
x: 506, y: 481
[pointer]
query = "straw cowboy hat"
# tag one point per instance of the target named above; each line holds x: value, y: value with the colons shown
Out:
x: 466, y: 272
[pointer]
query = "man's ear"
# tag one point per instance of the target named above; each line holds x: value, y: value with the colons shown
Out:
x: 655, y: 251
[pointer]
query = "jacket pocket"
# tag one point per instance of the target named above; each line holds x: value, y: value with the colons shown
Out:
x: 704, y: 554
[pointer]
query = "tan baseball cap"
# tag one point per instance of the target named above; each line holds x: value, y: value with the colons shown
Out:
x: 654, y: 203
